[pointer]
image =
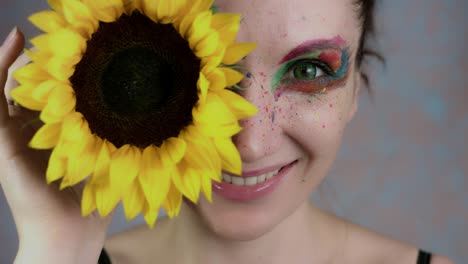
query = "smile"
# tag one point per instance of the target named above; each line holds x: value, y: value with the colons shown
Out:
x: 250, y: 181
x: 251, y: 185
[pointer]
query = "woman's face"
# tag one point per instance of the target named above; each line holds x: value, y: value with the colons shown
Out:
x: 303, y: 79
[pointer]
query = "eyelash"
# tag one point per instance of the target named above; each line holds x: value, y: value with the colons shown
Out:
x: 308, y: 86
x: 320, y: 65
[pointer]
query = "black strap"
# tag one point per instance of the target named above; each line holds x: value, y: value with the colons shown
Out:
x: 104, y: 258
x: 424, y: 257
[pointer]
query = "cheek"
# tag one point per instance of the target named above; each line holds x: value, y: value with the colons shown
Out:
x: 312, y: 118
x: 316, y: 124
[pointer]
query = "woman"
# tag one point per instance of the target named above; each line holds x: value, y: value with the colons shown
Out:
x: 305, y: 78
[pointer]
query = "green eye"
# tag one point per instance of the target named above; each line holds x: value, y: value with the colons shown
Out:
x: 306, y: 71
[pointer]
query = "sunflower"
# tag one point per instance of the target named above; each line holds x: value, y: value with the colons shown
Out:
x: 135, y: 100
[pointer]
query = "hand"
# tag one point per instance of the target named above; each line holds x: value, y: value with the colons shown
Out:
x: 49, y: 222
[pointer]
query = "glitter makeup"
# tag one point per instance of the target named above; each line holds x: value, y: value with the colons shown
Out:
x: 313, y: 66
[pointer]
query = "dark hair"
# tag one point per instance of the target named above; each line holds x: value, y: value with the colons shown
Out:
x: 366, y: 13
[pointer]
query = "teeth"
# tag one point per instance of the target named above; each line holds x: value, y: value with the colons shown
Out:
x: 227, y: 178
x: 270, y: 175
x: 249, y: 181
x: 238, y: 181
x: 261, y: 178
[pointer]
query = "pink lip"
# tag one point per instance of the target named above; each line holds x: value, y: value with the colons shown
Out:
x: 249, y: 193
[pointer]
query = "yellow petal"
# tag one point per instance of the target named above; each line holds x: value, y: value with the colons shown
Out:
x: 61, y: 102
x: 150, y: 8
x: 60, y: 68
x: 191, y: 182
x: 229, y: 155
x: 176, y: 173
x: 71, y: 144
x: 206, y: 187
x: 81, y: 166
x: 133, y: 200
x: 124, y: 166
x: 167, y: 10
x: 46, y: 137
x: 233, y: 77
x: 200, y: 161
x: 78, y: 14
x: 202, y: 145
x: 75, y: 128
x: 197, y: 156
x: 22, y: 95
x: 163, y: 9
x: 31, y: 73
x: 237, y: 104
x: 214, y: 112
x: 48, y: 21
x: 201, y: 5
x: 132, y: 5
x: 101, y: 172
x: 107, y: 198
x: 154, y: 178
x: 217, y: 80
x: 56, y: 168
x: 221, y: 20
x: 63, y: 43
x: 208, y: 45
x: 42, y: 92
x: 173, y: 202
x: 37, y: 56
x: 186, y: 24
x: 57, y: 5
x: 150, y: 215
x: 200, y: 28
x: 237, y: 52
x: 105, y: 10
x: 227, y: 25
x: 88, y: 200
x: 172, y: 151
x: 222, y: 131
x: 203, y: 86
x: 211, y: 62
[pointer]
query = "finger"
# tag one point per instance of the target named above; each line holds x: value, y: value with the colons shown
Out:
x: 11, y: 83
x: 23, y: 115
x: 9, y: 51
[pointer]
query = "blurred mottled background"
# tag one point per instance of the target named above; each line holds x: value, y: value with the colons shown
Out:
x: 403, y: 167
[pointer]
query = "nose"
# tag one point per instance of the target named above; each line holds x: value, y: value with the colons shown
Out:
x: 261, y: 134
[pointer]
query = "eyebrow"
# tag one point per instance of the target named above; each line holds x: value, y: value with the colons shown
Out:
x: 314, y: 45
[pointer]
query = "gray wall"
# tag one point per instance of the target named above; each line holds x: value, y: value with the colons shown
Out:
x: 403, y: 168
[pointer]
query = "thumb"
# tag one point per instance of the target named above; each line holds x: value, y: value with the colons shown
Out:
x: 9, y: 51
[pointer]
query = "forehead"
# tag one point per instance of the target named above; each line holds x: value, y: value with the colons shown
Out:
x: 279, y: 25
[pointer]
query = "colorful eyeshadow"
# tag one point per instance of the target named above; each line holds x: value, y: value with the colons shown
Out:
x: 330, y: 57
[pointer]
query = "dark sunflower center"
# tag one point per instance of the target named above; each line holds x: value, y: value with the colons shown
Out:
x: 137, y: 82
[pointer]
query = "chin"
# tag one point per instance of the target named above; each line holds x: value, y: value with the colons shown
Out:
x: 235, y: 221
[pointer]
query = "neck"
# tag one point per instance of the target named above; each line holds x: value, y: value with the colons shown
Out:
x: 307, y: 234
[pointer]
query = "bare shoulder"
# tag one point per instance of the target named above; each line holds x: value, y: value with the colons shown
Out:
x: 367, y: 246
x: 139, y: 244
x: 441, y: 260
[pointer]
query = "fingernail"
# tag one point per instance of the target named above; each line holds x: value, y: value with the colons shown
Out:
x: 10, y: 36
